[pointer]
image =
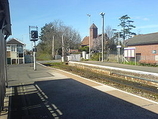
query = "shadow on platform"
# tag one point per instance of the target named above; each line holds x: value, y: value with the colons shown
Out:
x: 70, y: 99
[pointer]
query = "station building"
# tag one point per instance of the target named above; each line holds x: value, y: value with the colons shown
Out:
x: 15, y: 52
x: 143, y: 48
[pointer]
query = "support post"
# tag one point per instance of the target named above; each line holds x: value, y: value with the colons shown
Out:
x: 33, y: 34
x: 102, y: 14
x: 34, y: 56
x: 63, y: 50
x: 53, y: 47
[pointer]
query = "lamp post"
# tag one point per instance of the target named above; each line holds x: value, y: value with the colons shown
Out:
x: 102, y: 14
x: 89, y: 36
x: 63, y: 49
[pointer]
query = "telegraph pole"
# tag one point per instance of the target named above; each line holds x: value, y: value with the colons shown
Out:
x: 53, y: 45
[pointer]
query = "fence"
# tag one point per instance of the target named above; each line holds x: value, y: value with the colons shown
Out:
x: 74, y: 57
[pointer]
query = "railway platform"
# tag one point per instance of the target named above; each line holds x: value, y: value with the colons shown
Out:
x: 55, y: 94
x: 125, y: 66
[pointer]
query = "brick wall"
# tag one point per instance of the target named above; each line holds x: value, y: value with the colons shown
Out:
x: 147, y: 53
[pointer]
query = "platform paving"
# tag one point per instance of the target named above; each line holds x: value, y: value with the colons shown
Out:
x: 125, y: 66
x: 55, y: 94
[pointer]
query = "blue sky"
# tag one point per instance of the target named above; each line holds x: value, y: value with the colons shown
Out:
x: 25, y: 13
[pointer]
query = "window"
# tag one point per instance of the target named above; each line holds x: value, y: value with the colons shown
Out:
x: 154, y: 51
x: 20, y: 49
x: 8, y: 48
x: 13, y: 48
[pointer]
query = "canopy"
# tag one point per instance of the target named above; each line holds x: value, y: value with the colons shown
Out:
x: 5, y: 17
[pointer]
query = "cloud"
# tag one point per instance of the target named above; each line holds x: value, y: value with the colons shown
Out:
x: 145, y: 19
x: 141, y: 18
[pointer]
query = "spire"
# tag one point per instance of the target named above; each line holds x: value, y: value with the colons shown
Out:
x: 93, y: 26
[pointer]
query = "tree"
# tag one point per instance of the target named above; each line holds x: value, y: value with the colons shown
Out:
x: 127, y: 26
x: 109, y: 32
x: 57, y: 29
x: 85, y: 48
x: 112, y: 38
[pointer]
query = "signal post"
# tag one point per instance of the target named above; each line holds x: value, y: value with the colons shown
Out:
x: 33, y: 35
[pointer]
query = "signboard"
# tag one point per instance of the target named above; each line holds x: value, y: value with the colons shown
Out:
x: 118, y: 46
x: 129, y: 52
x: 156, y: 57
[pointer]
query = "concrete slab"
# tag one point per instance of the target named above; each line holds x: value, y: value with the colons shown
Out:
x: 69, y: 96
x: 104, y: 88
x: 131, y: 98
x: 79, y: 78
x: 139, y: 101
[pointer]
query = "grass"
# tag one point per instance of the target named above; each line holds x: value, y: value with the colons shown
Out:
x: 141, y: 64
x: 43, y: 57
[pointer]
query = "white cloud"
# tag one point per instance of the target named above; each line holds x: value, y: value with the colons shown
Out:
x: 141, y: 18
x: 146, y: 19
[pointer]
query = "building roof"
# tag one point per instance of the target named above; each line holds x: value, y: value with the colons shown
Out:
x: 144, y: 39
x: 85, y: 41
x: 4, y: 10
x: 15, y: 41
x: 93, y: 26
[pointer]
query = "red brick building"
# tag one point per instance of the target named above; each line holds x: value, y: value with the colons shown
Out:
x: 85, y: 41
x: 143, y: 48
x: 93, y: 35
x: 95, y: 39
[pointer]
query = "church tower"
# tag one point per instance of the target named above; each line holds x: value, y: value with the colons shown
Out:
x: 93, y: 33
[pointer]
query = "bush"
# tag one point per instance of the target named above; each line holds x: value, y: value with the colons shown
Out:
x: 148, y: 64
x: 85, y: 48
x: 131, y: 63
x: 96, y: 56
x: 142, y: 64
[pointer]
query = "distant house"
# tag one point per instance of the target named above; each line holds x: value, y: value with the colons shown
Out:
x: 15, y: 52
x: 85, y: 41
x: 142, y: 48
x: 71, y: 51
x: 95, y: 39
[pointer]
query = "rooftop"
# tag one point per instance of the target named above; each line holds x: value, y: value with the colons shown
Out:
x: 14, y: 41
x: 85, y: 41
x: 4, y: 10
x: 144, y: 39
x: 93, y: 26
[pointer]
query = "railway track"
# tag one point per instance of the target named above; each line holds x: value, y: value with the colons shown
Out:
x: 132, y: 86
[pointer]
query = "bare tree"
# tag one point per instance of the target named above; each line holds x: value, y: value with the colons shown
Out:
x: 111, y: 38
x: 57, y: 29
x: 109, y: 32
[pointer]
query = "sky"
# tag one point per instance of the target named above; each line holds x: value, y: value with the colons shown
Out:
x: 73, y: 13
